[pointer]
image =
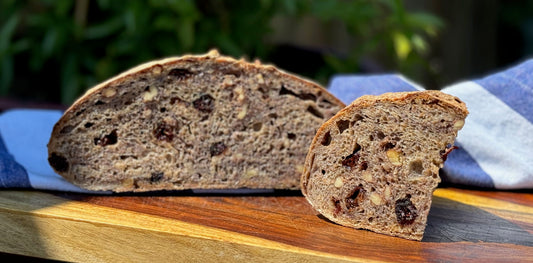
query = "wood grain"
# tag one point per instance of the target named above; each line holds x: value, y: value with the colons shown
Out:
x: 462, y: 225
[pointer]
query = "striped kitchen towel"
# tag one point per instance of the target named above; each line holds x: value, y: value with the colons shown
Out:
x: 495, y: 145
x: 496, y: 142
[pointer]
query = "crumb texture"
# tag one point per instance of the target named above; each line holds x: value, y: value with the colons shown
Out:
x: 375, y: 164
x: 191, y: 122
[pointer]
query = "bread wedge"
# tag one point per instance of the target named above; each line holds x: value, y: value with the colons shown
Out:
x: 376, y: 163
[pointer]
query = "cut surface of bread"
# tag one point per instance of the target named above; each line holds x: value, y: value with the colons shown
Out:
x: 375, y: 164
x: 193, y: 122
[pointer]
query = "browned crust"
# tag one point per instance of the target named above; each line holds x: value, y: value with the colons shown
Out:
x: 433, y: 96
x: 168, y: 62
x: 212, y: 55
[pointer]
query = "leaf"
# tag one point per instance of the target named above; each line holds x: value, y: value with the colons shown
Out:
x: 402, y: 46
x: 290, y: 6
x: 6, y: 74
x: 7, y: 31
x: 107, y: 28
x: 419, y: 43
x: 227, y: 45
x: 165, y: 23
x: 423, y: 20
x: 186, y: 33
x: 20, y: 46
x: 69, y: 80
x: 49, y: 42
x: 62, y: 7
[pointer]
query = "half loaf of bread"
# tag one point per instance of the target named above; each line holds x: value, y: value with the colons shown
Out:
x: 193, y: 122
x: 375, y: 164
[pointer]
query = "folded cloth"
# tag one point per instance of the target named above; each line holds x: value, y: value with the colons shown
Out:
x: 495, y: 144
x: 24, y: 153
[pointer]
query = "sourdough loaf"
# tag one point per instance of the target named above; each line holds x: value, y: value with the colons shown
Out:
x: 375, y: 164
x: 208, y: 122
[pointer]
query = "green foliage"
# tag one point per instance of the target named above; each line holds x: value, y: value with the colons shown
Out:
x: 79, y: 43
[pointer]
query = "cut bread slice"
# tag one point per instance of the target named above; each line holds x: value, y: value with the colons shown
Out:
x: 193, y: 122
x: 375, y: 164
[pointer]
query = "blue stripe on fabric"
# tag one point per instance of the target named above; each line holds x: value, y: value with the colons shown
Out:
x: 514, y: 87
x: 12, y: 174
x: 349, y: 87
x: 461, y: 168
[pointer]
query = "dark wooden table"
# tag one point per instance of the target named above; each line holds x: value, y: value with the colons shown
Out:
x: 463, y: 225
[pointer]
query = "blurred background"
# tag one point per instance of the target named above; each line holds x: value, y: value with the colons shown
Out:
x: 51, y: 51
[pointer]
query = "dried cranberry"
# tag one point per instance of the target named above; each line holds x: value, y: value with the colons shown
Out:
x: 164, y: 132
x: 352, y: 159
x: 406, y: 212
x: 156, y: 177
x: 204, y: 103
x: 352, y: 201
x: 59, y: 162
x: 217, y: 148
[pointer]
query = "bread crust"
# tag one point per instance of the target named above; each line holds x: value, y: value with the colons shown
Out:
x: 209, y: 81
x: 325, y: 191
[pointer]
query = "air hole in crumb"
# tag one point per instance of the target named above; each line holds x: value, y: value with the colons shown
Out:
x: 99, y: 102
x: 416, y: 167
x: 179, y: 73
x: 67, y: 129
x: 337, y: 204
x: 302, y: 96
x: 108, y: 139
x: 323, y: 172
x: 357, y: 117
x: 380, y: 135
x: 291, y: 136
x: 342, y: 125
x: 163, y: 109
x: 315, y: 112
x: 257, y: 126
x: 387, y: 146
x: 326, y: 140
x: 88, y: 125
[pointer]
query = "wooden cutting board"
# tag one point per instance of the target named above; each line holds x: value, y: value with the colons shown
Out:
x: 463, y: 225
